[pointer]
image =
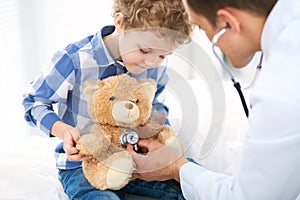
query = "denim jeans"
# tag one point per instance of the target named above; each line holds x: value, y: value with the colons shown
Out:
x: 76, y: 186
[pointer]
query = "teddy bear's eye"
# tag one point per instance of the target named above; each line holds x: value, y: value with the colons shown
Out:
x: 136, y: 101
x: 112, y: 98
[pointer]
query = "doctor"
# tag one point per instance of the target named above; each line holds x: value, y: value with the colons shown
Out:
x: 270, y: 167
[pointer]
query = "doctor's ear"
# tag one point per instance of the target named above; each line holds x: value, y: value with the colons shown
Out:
x: 228, y: 17
x: 227, y: 26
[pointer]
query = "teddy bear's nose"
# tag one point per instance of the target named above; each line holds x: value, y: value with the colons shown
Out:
x: 129, y: 106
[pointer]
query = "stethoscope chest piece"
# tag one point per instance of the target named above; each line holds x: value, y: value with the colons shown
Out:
x: 129, y: 137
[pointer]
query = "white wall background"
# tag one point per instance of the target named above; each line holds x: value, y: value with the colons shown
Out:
x: 30, y: 32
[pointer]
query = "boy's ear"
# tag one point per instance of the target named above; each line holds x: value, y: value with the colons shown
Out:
x: 118, y: 19
x: 229, y: 17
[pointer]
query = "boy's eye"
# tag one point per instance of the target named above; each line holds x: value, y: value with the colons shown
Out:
x: 144, y: 51
x: 162, y: 57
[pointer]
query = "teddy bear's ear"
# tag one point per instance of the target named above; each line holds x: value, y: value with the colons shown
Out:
x: 149, y: 86
x: 89, y: 88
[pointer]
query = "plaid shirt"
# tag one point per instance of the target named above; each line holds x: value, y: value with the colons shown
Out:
x: 60, y: 84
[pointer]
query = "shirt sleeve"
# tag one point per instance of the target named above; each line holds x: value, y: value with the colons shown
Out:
x: 266, y: 170
x: 200, y: 183
x: 161, y: 81
x: 50, y: 87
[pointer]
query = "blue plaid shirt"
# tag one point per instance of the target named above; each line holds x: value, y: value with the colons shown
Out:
x: 60, y: 83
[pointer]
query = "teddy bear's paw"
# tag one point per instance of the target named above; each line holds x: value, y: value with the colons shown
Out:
x: 82, y: 150
x: 92, y: 144
x: 168, y: 137
x: 95, y: 173
x: 174, y: 143
x: 120, y: 170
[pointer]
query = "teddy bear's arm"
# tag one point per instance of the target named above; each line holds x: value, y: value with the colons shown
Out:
x: 169, y: 137
x: 97, y: 144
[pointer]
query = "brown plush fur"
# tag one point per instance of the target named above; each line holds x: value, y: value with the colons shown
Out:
x: 103, y: 141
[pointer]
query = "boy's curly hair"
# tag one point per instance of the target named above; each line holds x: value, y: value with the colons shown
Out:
x: 166, y: 14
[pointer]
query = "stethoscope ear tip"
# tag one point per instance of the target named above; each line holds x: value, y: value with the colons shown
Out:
x: 218, y: 35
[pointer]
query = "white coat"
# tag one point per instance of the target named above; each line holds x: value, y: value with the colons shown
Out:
x: 270, y: 166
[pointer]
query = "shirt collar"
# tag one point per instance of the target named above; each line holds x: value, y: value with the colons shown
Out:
x: 101, y: 53
x: 282, y: 13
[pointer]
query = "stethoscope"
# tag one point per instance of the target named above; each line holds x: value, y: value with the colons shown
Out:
x: 235, y: 83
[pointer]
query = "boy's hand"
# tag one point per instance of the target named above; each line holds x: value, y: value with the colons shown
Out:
x: 71, y: 137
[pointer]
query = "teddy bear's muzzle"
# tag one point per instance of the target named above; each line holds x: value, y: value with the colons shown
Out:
x: 125, y: 112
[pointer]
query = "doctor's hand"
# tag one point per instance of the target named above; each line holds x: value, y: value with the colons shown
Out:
x: 160, y: 163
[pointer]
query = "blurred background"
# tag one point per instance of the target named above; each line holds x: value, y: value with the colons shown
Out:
x: 31, y: 31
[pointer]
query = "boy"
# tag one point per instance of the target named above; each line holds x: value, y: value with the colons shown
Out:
x: 270, y: 162
x: 145, y: 32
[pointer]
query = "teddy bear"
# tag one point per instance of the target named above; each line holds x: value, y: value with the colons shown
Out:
x: 121, y: 109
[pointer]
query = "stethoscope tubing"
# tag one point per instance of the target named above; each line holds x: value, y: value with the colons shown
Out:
x: 227, y: 69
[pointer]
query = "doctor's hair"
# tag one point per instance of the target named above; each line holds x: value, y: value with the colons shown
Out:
x: 209, y: 8
x: 165, y: 14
